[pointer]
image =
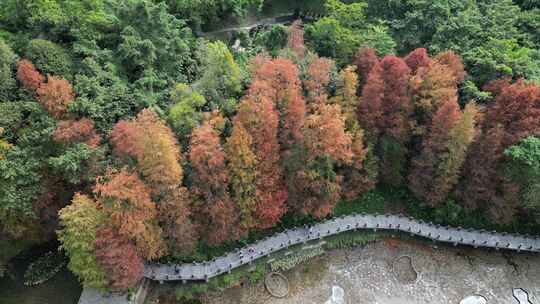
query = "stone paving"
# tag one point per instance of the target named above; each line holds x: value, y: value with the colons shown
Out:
x: 457, y: 236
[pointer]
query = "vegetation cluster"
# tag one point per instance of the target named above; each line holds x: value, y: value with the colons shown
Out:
x: 132, y: 140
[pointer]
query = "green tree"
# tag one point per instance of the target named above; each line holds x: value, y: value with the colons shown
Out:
x: 102, y: 95
x: 221, y: 78
x: 503, y: 58
x: 78, y: 164
x: 28, y: 128
x: 530, y: 25
x: 7, y: 79
x: 152, y: 41
x: 344, y: 30
x: 523, y: 166
x: 272, y: 40
x: 50, y: 58
x: 80, y: 222
x: 186, y: 113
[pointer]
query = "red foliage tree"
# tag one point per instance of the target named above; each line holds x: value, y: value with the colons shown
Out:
x: 77, y: 131
x: 425, y: 167
x: 396, y: 103
x: 386, y: 103
x: 118, y: 258
x: 512, y: 116
x: 28, y: 75
x: 370, y: 113
x: 479, y: 186
x: 516, y: 110
x: 261, y: 122
x: 55, y: 95
x: 216, y: 214
x: 317, y: 80
x: 417, y: 59
x: 295, y: 39
x: 127, y: 200
x: 364, y: 59
x: 384, y: 114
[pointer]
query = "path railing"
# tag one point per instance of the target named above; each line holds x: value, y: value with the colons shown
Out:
x: 224, y: 264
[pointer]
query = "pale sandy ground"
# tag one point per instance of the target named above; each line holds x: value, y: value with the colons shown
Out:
x: 364, y: 275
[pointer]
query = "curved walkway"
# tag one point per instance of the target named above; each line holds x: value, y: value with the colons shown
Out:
x: 224, y: 264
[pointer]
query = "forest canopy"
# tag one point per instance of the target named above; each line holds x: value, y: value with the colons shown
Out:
x: 131, y: 136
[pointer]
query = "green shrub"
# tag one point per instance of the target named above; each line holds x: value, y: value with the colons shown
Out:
x: 290, y: 261
x: 257, y: 274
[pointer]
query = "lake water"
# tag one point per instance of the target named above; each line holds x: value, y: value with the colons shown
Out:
x: 63, y: 288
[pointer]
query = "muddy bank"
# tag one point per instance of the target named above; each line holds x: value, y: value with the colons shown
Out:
x: 401, y: 272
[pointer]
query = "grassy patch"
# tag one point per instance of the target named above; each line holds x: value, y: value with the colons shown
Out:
x: 192, y: 291
x: 371, y: 202
x: 350, y: 239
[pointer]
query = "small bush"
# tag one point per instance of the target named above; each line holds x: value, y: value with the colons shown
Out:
x: 350, y: 239
x: 257, y: 274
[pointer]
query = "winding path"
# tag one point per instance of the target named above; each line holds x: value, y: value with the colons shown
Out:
x: 224, y: 264
x: 287, y: 19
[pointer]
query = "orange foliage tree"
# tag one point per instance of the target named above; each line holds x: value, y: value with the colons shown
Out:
x: 317, y: 186
x: 77, y: 131
x: 452, y: 61
x: 261, y: 120
x: 317, y: 80
x: 119, y: 259
x: 360, y: 175
x: 28, y: 75
x: 295, y: 40
x: 152, y: 144
x: 126, y: 199
x: 242, y: 164
x: 55, y: 95
x: 278, y: 80
x: 432, y: 87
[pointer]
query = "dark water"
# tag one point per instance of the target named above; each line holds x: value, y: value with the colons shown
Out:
x: 63, y: 288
